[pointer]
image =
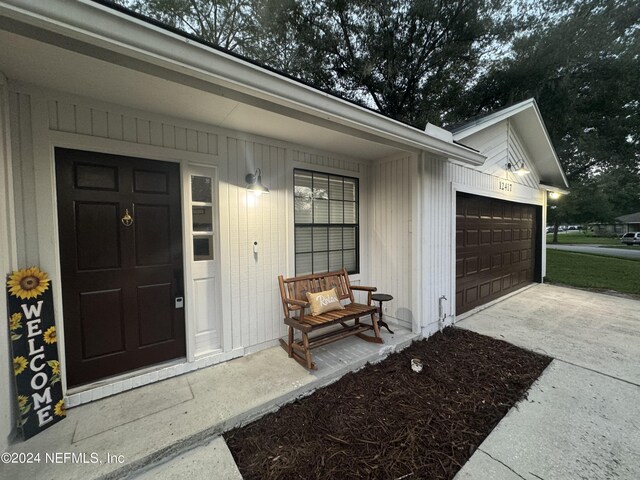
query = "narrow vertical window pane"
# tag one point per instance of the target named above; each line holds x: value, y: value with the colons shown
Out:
x: 320, y: 241
x: 201, y: 189
x: 349, y: 238
x: 303, y: 240
x: 335, y: 238
x: 303, y: 210
x: 335, y: 188
x: 320, y: 186
x: 350, y: 189
x: 335, y: 261
x: 350, y: 212
x: 303, y: 184
x: 320, y: 211
x: 202, y: 219
x: 320, y: 262
x: 304, y: 264
x: 349, y: 258
x: 337, y: 212
x: 202, y: 247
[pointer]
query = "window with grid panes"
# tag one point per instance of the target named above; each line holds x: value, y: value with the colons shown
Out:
x: 326, y: 222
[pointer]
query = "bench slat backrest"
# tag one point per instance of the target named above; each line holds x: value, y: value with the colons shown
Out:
x: 297, y: 287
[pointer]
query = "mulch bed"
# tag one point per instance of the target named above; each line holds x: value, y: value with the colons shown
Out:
x: 386, y: 421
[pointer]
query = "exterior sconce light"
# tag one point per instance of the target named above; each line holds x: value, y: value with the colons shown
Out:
x: 254, y: 183
x: 554, y: 195
x: 517, y: 167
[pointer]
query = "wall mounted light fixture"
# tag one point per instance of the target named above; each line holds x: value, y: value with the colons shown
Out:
x: 517, y: 167
x: 554, y: 195
x: 254, y: 183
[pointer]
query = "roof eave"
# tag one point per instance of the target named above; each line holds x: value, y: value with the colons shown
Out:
x: 100, y: 26
x: 506, y: 113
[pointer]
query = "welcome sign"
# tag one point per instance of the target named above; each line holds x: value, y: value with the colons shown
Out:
x: 35, y: 350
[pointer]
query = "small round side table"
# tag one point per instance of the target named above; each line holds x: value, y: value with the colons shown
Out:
x: 382, y: 297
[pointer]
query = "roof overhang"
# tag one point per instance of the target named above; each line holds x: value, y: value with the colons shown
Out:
x: 76, y: 43
x: 525, y: 117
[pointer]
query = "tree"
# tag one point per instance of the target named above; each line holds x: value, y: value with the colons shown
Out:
x: 583, y: 69
x: 229, y: 24
x: 407, y: 59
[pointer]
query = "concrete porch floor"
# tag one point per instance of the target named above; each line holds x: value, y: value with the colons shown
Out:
x: 171, y: 429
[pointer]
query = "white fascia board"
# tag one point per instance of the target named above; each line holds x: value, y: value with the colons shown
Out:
x: 492, y: 119
x: 103, y: 27
x: 549, y: 144
x: 552, y: 188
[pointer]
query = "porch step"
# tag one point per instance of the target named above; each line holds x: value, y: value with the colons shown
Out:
x: 174, y: 425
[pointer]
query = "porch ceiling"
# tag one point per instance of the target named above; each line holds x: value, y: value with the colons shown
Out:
x: 52, y: 67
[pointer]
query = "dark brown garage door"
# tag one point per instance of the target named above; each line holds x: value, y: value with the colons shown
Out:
x: 495, y: 249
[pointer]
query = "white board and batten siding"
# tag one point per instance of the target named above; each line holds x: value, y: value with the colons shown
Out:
x: 255, y: 308
x: 234, y: 301
x: 390, y: 200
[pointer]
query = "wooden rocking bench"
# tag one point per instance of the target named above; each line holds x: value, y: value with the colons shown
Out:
x: 294, y: 302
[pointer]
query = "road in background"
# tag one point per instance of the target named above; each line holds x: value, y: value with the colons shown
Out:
x: 630, y: 253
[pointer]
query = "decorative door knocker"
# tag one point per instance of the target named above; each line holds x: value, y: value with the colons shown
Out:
x: 127, y: 219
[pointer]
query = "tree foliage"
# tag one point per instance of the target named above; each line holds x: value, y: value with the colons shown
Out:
x: 444, y: 62
x: 583, y: 69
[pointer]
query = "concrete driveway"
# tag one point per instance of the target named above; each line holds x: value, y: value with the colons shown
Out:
x: 581, y: 419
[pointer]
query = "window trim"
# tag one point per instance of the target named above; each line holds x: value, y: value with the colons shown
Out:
x: 355, y: 226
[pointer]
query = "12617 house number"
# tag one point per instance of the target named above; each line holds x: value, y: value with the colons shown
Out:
x: 505, y: 186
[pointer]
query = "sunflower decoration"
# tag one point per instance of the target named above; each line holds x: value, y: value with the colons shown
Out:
x: 23, y: 405
x: 55, y: 367
x: 59, y: 409
x: 50, y: 335
x: 28, y: 283
x: 22, y: 401
x: 15, y: 321
x: 55, y: 371
x: 19, y: 364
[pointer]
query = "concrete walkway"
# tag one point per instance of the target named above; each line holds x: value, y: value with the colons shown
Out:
x: 581, y: 419
x: 171, y: 429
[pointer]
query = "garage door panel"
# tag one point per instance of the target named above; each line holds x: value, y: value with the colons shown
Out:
x: 471, y: 237
x: 470, y: 265
x: 471, y: 294
x: 485, y: 263
x: 495, y: 242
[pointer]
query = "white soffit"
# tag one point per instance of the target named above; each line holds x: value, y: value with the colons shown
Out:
x: 99, y: 44
x: 32, y: 62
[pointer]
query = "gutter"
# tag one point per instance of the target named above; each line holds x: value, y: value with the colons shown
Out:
x: 102, y: 32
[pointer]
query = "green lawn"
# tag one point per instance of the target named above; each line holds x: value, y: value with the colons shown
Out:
x: 576, y: 237
x: 593, y: 271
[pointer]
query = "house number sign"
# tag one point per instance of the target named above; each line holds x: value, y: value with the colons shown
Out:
x: 34, y: 346
x: 505, y: 186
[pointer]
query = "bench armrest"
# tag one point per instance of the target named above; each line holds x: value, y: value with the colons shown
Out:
x: 364, y: 289
x: 299, y: 303
x: 369, y: 291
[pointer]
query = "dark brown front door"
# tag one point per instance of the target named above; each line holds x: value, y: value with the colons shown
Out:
x: 495, y: 249
x: 119, y: 282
